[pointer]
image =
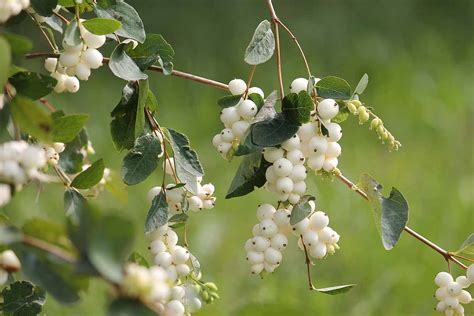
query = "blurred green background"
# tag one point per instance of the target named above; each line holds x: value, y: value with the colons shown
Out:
x: 419, y: 56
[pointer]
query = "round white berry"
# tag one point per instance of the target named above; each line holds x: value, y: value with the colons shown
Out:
x: 180, y: 255
x: 273, y: 256
x: 257, y: 268
x: 330, y: 164
x: 334, y: 131
x: 92, y: 40
x: 50, y: 64
x: 296, y: 157
x: 229, y: 116
x: 283, y: 167
x: 441, y: 293
x: 265, y: 211
x: 72, y: 49
x: 268, y: 228
x: 298, y: 173
x: 282, y: 217
x: 451, y: 302
x: 279, y: 241
x: 269, y: 268
x: 72, y: 84
x: 177, y: 292
x: 454, y: 289
x: 83, y: 71
x: 69, y: 59
x: 33, y: 157
x: 174, y: 307
x: 318, y: 145
x: 224, y: 148
x: 319, y: 220
x: 257, y: 90
x: 92, y: 58
x: 270, y: 175
x: 163, y: 259
x: 194, y: 304
x: 333, y: 150
x: 272, y: 154
x: 171, y: 238
x: 239, y: 128
x: 298, y: 85
x: 195, y: 203
x: 237, y: 86
x: 293, y: 197
x: 284, y: 185
x: 301, y: 227
x: 441, y: 307
x: 248, y: 245
x: 172, y: 273
x: 299, y: 187
x: 443, y: 279
x: 327, y: 109
x: 310, y: 238
x: 282, y: 197
x: 465, y: 297
x: 260, y: 243
x: 316, y: 162
x: 157, y: 246
x: 217, y: 140
x: 318, y: 250
x: 9, y: 261
x: 463, y: 281
x: 255, y: 257
x: 306, y: 131
x: 292, y: 143
x: 470, y: 273
x: 326, y: 234
x: 256, y: 231
x: 152, y: 193
x: 247, y: 109
x: 227, y: 135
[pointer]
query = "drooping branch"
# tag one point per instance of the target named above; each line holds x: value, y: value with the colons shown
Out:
x: 176, y: 73
x: 274, y: 19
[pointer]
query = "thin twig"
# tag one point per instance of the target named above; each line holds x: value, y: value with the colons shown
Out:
x: 45, y: 246
x: 176, y: 73
x: 308, y: 265
x: 249, y: 81
x: 48, y: 105
x: 61, y: 17
x: 293, y: 37
x: 462, y: 257
x: 407, y: 229
x: 274, y: 19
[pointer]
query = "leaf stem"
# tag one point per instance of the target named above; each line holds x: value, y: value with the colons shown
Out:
x: 308, y: 265
x: 275, y: 23
x: 176, y: 73
x: 249, y: 81
x: 448, y: 256
x: 61, y: 17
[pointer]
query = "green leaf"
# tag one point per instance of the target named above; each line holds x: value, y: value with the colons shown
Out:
x: 334, y: 290
x: 72, y: 158
x: 247, y: 146
x: 360, y: 88
x: 143, y: 89
x: 124, y: 116
x: 154, y: 49
x: 73, y: 203
x: 250, y: 174
x: 137, y: 258
x: 89, y: 177
x: 301, y: 210
x: 142, y: 160
x: 109, y: 245
x: 391, y: 214
x: 32, y: 84
x: 195, y: 264
x: 187, y: 164
x: 157, y: 214
x: 467, y: 247
x: 54, y: 23
x: 72, y: 35
x: 128, y: 307
x: 343, y: 113
x: 19, y: 44
x: 55, y: 276
x: 48, y: 231
x: 229, y: 100
x: 297, y: 107
x: 257, y: 99
x: 22, y: 298
x: 179, y: 218
x: 44, y: 7
x: 67, y: 127
x: 123, y: 65
x: 106, y: 3
x: 334, y: 88
x: 132, y: 25
x: 273, y: 132
x: 32, y: 118
x: 102, y: 26
x: 5, y: 61
x: 262, y: 45
x: 151, y: 102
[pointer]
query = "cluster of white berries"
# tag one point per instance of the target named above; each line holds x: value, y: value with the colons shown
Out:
x: 319, y: 239
x: 310, y: 146
x: 9, y: 262
x: 52, y: 152
x: 20, y: 162
x: 236, y: 119
x: 153, y: 286
x: 270, y: 237
x: 451, y: 294
x: 168, y: 254
x: 75, y: 62
x: 264, y: 249
x: 10, y: 8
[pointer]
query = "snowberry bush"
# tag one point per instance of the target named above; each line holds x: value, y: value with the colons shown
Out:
x: 285, y: 137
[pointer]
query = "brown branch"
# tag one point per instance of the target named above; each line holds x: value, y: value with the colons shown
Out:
x: 308, y: 265
x: 249, y: 81
x: 407, y: 229
x: 48, y: 105
x: 52, y: 249
x: 61, y: 17
x: 274, y: 19
x: 175, y: 73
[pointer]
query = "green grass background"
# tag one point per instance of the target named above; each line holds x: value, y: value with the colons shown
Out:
x: 419, y: 56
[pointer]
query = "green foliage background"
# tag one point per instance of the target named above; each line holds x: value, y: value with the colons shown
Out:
x: 419, y: 56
